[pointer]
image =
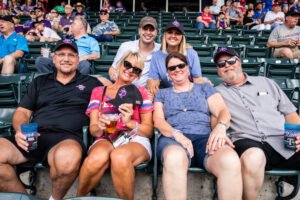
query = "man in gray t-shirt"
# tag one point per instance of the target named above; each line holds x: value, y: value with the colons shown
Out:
x: 286, y: 38
x: 259, y: 109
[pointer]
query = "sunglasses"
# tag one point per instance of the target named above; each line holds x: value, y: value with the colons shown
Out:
x: 230, y: 61
x: 180, y: 66
x: 135, y: 70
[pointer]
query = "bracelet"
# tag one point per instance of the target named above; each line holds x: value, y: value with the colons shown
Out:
x: 174, y: 133
x: 222, y: 123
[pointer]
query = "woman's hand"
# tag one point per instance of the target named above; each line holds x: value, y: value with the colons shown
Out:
x: 103, y: 120
x: 185, y: 142
x: 126, y: 110
x: 217, y: 139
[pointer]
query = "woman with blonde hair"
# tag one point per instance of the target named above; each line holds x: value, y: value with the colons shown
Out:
x: 133, y: 111
x: 173, y: 41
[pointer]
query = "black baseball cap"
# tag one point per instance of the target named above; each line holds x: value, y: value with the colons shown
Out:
x: 66, y: 43
x: 7, y: 18
x: 127, y: 94
x: 175, y: 24
x: 292, y: 13
x: 224, y: 50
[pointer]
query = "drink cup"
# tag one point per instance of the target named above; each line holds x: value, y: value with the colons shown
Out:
x: 30, y: 130
x: 291, y: 131
x: 112, y: 126
x: 45, y: 52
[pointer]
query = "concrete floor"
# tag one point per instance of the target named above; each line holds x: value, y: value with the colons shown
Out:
x: 199, y: 187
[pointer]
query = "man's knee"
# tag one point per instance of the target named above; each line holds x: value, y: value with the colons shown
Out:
x: 9, y: 60
x: 175, y: 157
x: 253, y: 160
x: 67, y: 157
x: 44, y: 65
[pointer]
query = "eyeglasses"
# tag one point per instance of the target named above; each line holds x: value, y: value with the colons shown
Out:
x: 230, y: 61
x: 135, y: 70
x: 103, y: 13
x: 173, y: 68
x: 62, y: 55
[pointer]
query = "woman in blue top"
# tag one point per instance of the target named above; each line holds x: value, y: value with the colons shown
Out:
x: 173, y: 41
x: 182, y: 115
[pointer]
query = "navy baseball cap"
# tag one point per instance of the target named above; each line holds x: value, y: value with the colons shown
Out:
x: 175, y: 24
x: 225, y: 50
x: 127, y: 94
x: 7, y: 18
x: 66, y: 43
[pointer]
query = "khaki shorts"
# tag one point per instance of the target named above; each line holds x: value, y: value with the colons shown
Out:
x: 278, y: 52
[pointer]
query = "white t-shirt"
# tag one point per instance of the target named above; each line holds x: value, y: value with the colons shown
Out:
x: 271, y: 16
x: 49, y: 33
x: 214, y: 9
x: 133, y: 46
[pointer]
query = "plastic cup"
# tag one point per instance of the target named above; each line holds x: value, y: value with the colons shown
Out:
x: 30, y: 130
x: 46, y: 52
x: 291, y: 131
x: 112, y: 126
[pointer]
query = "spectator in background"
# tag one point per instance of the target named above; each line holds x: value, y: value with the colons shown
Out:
x: 250, y: 22
x: 234, y: 13
x: 250, y: 6
x: 119, y: 7
x: 40, y: 16
x: 40, y: 4
x: 57, y: 103
x: 145, y: 45
x: 27, y: 6
x: 28, y: 23
x: 54, y: 18
x: 259, y: 12
x: 285, y: 39
x: 227, y: 4
x: 274, y: 18
x: 205, y: 20
x: 18, y: 26
x: 285, y: 7
x: 296, y: 7
x: 60, y: 8
x: 268, y: 4
x: 42, y: 33
x: 66, y: 20
x: 214, y: 8
x: 173, y: 41
x: 80, y: 9
x: 222, y: 21
x: 105, y: 30
x: 12, y: 45
x: 15, y: 8
x: 107, y: 6
x: 88, y: 49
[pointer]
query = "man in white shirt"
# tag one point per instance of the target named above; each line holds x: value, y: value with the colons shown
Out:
x: 274, y: 18
x: 214, y: 8
x: 42, y: 33
x: 145, y: 46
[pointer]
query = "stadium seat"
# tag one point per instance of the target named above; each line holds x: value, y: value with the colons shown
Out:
x: 256, y: 51
x: 210, y: 32
x: 102, y: 65
x: 6, y: 115
x: 238, y: 40
x: 250, y: 33
x: 195, y: 39
x: 208, y: 67
x: 251, y: 66
x: 111, y: 48
x: 204, y: 50
x: 219, y: 39
x: 280, y: 68
x: 262, y: 41
x: 29, y: 65
x: 231, y: 32
x: 124, y: 37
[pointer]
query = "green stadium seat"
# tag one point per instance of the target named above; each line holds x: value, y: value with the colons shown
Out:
x: 203, y: 50
x: 251, y: 66
x: 256, y: 51
x: 208, y: 67
x: 124, y: 37
x: 262, y: 41
x: 210, y: 32
x: 219, y: 39
x: 231, y: 32
x: 102, y: 65
x: 238, y: 40
x: 250, y: 33
x: 195, y: 38
x: 6, y: 115
x: 111, y: 48
x: 29, y: 65
x: 280, y: 68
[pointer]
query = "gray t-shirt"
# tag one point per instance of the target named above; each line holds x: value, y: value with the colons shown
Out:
x: 257, y: 111
x: 187, y: 111
x: 283, y: 33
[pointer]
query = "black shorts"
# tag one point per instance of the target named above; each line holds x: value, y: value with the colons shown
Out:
x: 45, y: 143
x: 274, y: 159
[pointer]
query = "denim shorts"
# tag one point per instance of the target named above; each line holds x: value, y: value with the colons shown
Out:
x: 199, y: 145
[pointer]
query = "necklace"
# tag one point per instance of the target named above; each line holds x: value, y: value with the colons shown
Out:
x: 184, y: 102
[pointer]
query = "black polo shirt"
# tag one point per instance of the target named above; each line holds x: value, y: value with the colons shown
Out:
x: 59, y: 108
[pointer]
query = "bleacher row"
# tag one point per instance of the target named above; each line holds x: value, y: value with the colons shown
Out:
x: 251, y: 45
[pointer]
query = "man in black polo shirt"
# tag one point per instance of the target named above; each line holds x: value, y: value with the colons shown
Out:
x: 57, y: 103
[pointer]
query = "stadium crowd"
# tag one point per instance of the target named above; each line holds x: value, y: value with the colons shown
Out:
x: 151, y: 86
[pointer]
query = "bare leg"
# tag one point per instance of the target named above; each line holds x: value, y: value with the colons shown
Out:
x: 123, y: 159
x: 225, y: 165
x: 253, y: 163
x: 94, y: 167
x: 286, y: 53
x: 64, y: 161
x: 175, y: 168
x: 9, y: 156
x: 8, y: 66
